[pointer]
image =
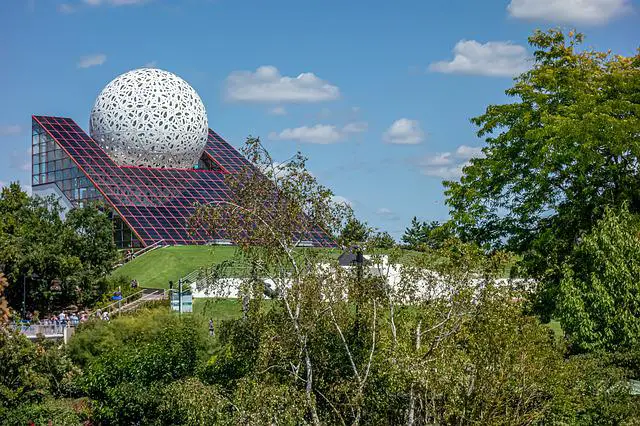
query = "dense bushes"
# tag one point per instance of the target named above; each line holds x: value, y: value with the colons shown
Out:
x: 497, y: 366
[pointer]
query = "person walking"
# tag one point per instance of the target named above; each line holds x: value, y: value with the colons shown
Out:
x: 212, y: 332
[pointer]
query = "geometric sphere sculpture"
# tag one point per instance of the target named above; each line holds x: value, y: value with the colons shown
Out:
x: 150, y: 117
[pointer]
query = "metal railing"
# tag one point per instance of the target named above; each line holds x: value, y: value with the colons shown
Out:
x: 124, y: 305
x: 147, y: 249
x: 34, y: 330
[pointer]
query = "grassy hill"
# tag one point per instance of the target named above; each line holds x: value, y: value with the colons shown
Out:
x: 156, y: 268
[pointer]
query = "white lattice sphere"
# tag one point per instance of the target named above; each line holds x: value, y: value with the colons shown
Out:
x: 150, y: 117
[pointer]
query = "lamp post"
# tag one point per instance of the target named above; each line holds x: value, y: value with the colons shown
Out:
x: 34, y: 276
x: 180, y: 296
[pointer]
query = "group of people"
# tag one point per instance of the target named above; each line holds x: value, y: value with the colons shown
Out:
x: 104, y: 316
x: 72, y: 319
x: 64, y: 319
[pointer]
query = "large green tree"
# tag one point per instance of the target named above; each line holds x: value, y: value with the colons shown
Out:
x: 38, y: 246
x: 422, y: 235
x: 564, y: 149
x: 441, y: 345
x: 599, y: 297
x: 355, y: 232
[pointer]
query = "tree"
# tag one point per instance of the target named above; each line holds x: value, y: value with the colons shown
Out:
x: 383, y: 240
x: 436, y: 339
x: 354, y: 232
x: 31, y: 373
x: 422, y: 235
x: 37, y: 246
x: 90, y: 235
x: 599, y: 298
x: 563, y: 150
x: 414, y: 235
x: 4, y: 307
x: 267, y: 216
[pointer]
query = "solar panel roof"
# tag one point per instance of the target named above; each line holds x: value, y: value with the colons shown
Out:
x: 155, y: 203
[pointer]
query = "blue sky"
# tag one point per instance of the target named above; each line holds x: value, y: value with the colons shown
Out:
x: 377, y: 94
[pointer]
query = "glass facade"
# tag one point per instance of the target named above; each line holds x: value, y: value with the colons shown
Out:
x: 50, y: 164
x: 148, y: 204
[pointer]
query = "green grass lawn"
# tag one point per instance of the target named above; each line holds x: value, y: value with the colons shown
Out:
x: 156, y: 268
x: 556, y: 327
x: 220, y: 309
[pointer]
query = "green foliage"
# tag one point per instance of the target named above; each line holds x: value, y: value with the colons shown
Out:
x: 237, y: 355
x: 426, y: 235
x: 128, y: 361
x: 354, y: 232
x: 599, y: 298
x: 590, y: 390
x: 383, y: 240
x: 31, y: 372
x: 57, y: 412
x: 35, y: 240
x: 564, y: 148
x: 190, y: 402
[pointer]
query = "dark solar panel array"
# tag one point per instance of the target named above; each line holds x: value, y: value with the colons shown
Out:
x: 224, y: 154
x: 155, y: 203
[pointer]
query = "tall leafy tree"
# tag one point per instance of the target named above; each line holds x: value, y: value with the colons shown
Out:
x: 564, y: 149
x: 383, y: 240
x: 37, y: 246
x: 354, y: 232
x: 420, y: 235
x: 599, y: 296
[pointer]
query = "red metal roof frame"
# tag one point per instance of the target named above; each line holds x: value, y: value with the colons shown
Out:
x: 97, y: 187
x: 155, y: 203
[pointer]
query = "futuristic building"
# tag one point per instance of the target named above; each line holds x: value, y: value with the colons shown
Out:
x: 150, y: 157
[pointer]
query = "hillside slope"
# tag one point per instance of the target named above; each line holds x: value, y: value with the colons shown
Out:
x: 156, y: 268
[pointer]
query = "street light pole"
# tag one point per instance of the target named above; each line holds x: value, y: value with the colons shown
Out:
x: 24, y: 297
x: 180, y: 296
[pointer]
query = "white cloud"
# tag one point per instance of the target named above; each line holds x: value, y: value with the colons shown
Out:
x: 444, y: 172
x: 592, y: 12
x: 494, y: 59
x: 279, y: 110
x: 10, y: 130
x: 320, y: 133
x: 92, y: 60
x: 404, y: 132
x: 449, y: 165
x: 151, y: 64
x: 339, y: 199
x: 439, y: 159
x: 356, y: 127
x: 387, y: 213
x: 465, y: 151
x: 66, y: 8
x: 3, y: 184
x: 267, y: 85
x: 276, y: 168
